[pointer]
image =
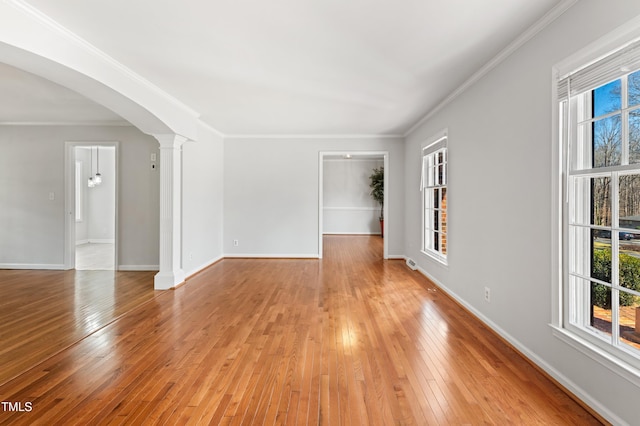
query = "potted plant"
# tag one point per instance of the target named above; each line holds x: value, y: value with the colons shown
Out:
x: 376, y: 183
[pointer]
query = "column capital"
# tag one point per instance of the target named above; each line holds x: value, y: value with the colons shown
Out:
x: 170, y: 140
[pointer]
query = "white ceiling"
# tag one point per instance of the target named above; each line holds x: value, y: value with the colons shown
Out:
x: 282, y: 66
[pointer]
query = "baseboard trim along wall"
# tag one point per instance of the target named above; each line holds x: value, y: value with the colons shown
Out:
x: 55, y: 267
x: 202, y: 267
x: 94, y: 241
x: 351, y: 233
x: 396, y: 257
x: 138, y: 267
x: 271, y: 256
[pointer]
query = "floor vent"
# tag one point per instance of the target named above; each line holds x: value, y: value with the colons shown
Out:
x: 412, y: 264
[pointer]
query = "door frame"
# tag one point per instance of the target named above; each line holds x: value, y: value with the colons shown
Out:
x: 354, y: 154
x: 70, y: 199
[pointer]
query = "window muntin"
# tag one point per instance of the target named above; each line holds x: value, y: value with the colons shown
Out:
x: 434, y: 200
x: 602, y: 295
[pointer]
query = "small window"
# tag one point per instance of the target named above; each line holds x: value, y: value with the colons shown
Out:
x: 434, y: 199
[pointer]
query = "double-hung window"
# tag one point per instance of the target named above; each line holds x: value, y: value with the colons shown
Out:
x: 434, y: 198
x: 600, y: 128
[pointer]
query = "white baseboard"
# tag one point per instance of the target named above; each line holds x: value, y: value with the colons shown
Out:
x: 350, y: 233
x: 203, y: 266
x: 138, y: 267
x: 273, y: 256
x: 396, y: 256
x: 580, y: 393
x: 54, y: 267
x: 95, y: 241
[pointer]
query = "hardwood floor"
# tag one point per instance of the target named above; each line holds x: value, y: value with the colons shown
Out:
x: 350, y: 339
x: 43, y: 312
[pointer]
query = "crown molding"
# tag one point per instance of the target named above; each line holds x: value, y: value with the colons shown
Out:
x: 122, y: 123
x: 313, y: 136
x: 512, y: 47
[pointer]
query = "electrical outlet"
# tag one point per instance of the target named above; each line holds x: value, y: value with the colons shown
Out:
x: 190, y: 256
x: 236, y: 243
x: 487, y: 295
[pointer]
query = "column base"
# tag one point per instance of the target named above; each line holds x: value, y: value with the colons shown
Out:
x: 167, y: 281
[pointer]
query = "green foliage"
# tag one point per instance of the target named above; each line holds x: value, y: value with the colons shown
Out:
x: 601, y: 269
x: 630, y: 273
x: 376, y: 183
x: 629, y: 278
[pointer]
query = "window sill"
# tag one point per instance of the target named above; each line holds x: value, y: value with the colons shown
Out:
x: 604, y: 358
x: 435, y: 256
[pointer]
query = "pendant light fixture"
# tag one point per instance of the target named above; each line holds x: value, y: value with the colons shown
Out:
x: 91, y: 183
x: 98, y: 178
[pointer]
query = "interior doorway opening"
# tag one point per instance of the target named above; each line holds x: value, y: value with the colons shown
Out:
x: 346, y: 206
x: 91, y: 200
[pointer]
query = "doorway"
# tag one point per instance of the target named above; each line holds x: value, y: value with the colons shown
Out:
x: 349, y: 208
x: 91, y: 200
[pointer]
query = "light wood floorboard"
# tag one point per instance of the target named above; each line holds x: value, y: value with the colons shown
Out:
x: 43, y: 312
x: 346, y: 340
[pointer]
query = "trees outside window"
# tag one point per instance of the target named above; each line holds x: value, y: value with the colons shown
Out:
x: 602, y: 281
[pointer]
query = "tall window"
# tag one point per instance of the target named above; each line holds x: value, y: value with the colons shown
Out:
x: 434, y: 199
x: 600, y: 107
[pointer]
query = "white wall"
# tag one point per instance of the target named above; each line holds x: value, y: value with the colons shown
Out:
x: 500, y: 214
x: 32, y: 167
x: 102, y: 203
x: 82, y: 228
x: 347, y: 204
x: 98, y: 223
x: 271, y: 193
x: 202, y: 174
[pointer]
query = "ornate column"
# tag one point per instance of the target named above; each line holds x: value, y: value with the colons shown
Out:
x: 171, y: 273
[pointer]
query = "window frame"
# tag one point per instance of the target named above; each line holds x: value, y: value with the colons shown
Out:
x: 429, y: 186
x: 615, y: 356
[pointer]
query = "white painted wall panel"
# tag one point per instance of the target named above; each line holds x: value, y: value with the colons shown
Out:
x: 202, y: 187
x: 348, y: 206
x: 101, y: 203
x: 351, y: 220
x: 82, y: 229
